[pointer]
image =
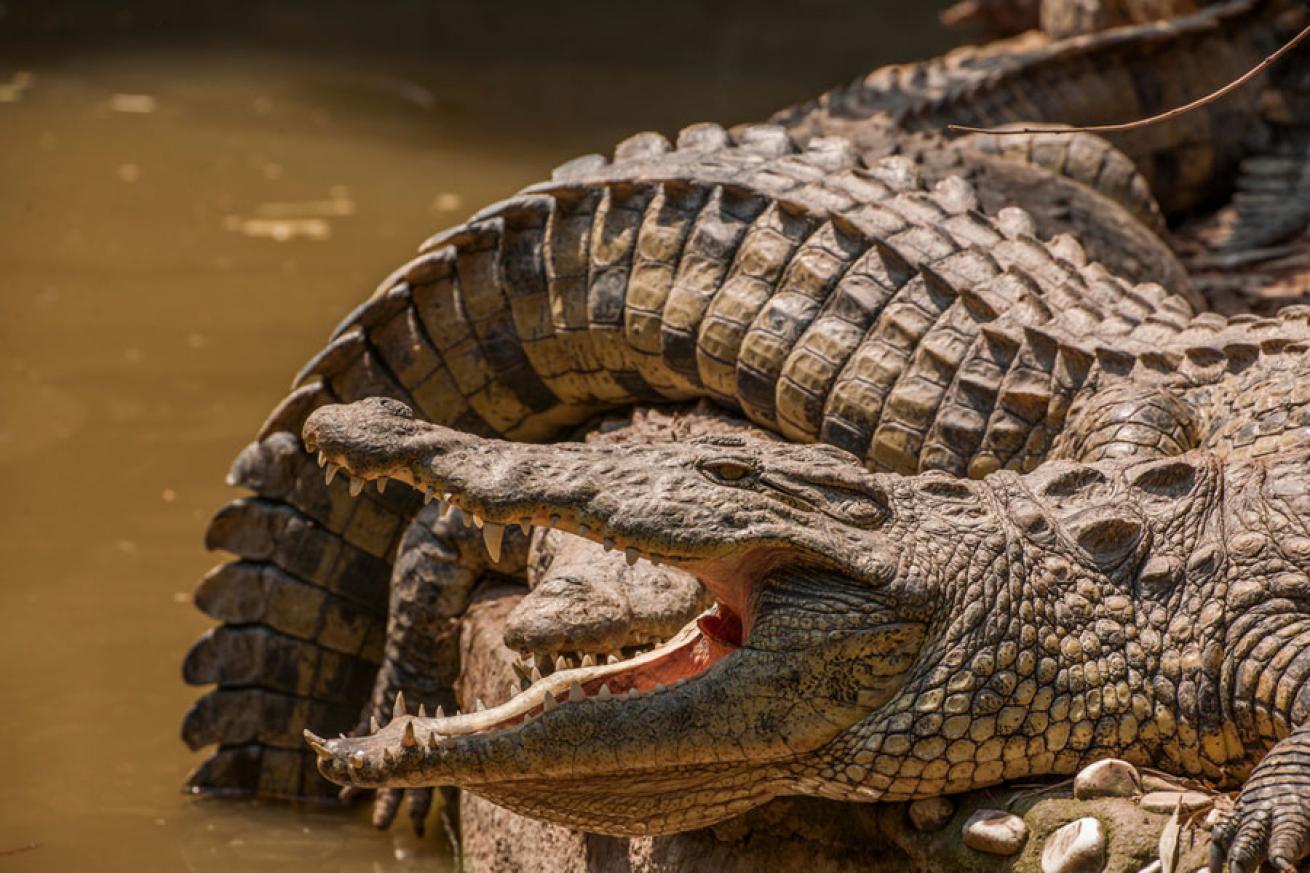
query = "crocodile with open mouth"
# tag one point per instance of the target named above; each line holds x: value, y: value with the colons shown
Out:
x: 880, y: 637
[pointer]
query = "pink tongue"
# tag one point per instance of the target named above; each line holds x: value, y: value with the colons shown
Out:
x: 687, y: 661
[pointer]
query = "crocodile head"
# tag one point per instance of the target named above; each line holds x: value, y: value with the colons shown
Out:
x: 820, y: 610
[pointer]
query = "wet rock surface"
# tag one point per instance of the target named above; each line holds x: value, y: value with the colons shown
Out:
x: 795, y: 833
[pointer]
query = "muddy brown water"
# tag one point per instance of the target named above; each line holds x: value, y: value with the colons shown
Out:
x: 187, y: 207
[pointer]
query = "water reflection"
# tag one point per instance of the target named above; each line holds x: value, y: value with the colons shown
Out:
x: 186, y: 210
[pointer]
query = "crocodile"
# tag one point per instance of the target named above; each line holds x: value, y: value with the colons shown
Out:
x: 304, y: 607
x: 1106, y: 77
x: 517, y: 324
x: 879, y: 637
x: 290, y: 522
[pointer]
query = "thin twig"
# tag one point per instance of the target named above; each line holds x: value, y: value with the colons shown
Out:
x: 1154, y: 119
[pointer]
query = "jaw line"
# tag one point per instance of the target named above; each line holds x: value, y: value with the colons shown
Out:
x: 730, y: 576
x: 685, y: 658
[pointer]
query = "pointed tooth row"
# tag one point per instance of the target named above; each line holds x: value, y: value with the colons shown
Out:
x: 532, y: 667
x: 472, y: 519
x: 409, y: 731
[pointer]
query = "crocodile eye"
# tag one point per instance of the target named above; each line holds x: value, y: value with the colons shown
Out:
x: 727, y: 471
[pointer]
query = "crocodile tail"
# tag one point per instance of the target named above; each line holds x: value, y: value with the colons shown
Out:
x: 1107, y: 77
x: 1273, y: 186
x: 823, y: 299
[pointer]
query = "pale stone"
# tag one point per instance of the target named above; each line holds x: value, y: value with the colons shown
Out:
x: 1109, y: 778
x: 1167, y: 801
x: 1153, y: 867
x: 931, y: 814
x: 995, y: 832
x: 1078, y: 847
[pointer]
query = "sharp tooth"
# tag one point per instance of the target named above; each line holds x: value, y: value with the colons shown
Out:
x: 603, y: 693
x: 398, y: 708
x: 630, y: 555
x: 443, y: 509
x: 387, y: 757
x: 433, y: 741
x: 407, y: 739
x: 575, y: 691
x: 466, y: 517
x: 318, y: 744
x: 525, y: 525
x: 356, y: 486
x: 492, y: 535
x: 373, y: 726
x: 478, y: 705
x: 322, y: 458
x: 478, y: 520
x: 422, y: 711
x: 446, y: 495
x: 521, y: 670
x: 608, y: 543
x: 548, y: 702
x: 633, y: 693
x: 583, y: 530
x: 357, y: 760
x: 561, y: 664
x: 427, y: 497
x: 588, y: 660
x: 382, y: 484
x: 330, y: 474
x: 441, y: 712
x: 535, y: 675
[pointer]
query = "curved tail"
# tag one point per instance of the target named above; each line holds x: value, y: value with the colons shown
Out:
x: 823, y: 299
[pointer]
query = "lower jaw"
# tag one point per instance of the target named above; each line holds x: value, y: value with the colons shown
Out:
x: 711, y: 637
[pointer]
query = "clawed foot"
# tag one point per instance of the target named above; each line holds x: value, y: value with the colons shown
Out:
x: 1271, y: 821
x: 386, y: 804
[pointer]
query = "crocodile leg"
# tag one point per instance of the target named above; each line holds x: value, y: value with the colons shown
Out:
x: 1271, y: 820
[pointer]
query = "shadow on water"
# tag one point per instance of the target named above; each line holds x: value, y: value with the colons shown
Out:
x: 189, y: 202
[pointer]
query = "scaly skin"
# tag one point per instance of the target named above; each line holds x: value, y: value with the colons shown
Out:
x: 883, y: 637
x: 706, y: 264
x: 1116, y: 75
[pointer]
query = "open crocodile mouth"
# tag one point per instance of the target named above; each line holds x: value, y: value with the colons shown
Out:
x: 629, y: 676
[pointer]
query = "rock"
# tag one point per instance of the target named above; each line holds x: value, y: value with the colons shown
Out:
x: 1078, y: 847
x: 1109, y: 778
x: 1153, y: 867
x: 1166, y: 801
x: 931, y: 814
x: 995, y: 832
